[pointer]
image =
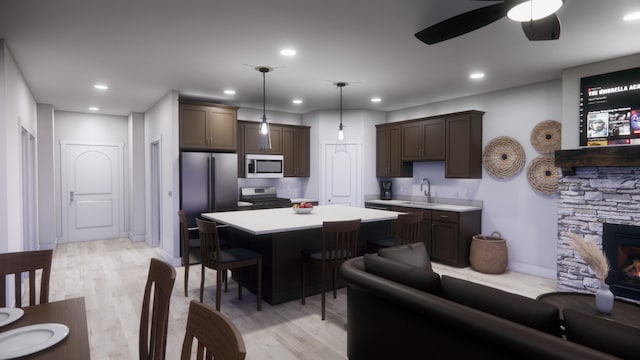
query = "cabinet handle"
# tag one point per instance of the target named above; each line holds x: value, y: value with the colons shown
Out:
x: 444, y: 216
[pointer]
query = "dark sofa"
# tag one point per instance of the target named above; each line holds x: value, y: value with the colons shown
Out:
x: 406, y: 313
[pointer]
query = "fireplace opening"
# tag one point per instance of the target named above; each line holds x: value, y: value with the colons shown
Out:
x: 621, y: 245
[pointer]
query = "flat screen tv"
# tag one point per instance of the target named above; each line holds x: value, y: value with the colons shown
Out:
x: 610, y: 108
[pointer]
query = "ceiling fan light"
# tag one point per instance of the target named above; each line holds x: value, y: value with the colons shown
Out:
x: 533, y: 10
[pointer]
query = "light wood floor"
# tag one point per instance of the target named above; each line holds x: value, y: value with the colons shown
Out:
x: 111, y: 275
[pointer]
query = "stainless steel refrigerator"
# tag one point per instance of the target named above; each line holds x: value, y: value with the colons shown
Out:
x: 208, y: 183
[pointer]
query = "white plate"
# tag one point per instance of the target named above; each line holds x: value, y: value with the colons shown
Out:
x: 30, y: 339
x: 9, y: 315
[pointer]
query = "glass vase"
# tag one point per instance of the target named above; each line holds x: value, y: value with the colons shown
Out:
x: 604, y: 299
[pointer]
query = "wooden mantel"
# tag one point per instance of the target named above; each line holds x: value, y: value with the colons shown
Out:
x: 619, y: 156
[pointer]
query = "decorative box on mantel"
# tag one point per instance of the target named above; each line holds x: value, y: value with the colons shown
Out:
x: 598, y: 185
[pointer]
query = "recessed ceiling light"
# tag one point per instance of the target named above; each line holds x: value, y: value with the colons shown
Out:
x: 230, y: 92
x: 288, y: 52
x: 297, y: 101
x: 101, y: 86
x: 533, y: 10
x: 476, y: 76
x: 94, y: 108
x: 632, y: 16
x: 376, y: 100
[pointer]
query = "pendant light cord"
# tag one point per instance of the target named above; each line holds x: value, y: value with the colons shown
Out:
x: 341, y: 106
x: 264, y: 96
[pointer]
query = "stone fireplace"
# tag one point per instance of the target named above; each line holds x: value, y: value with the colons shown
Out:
x: 598, y: 187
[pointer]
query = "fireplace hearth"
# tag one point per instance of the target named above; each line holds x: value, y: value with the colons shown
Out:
x: 621, y: 245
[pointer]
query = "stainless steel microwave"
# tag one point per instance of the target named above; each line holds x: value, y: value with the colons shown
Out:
x: 264, y: 166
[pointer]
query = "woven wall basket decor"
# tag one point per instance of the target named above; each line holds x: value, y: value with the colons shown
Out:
x: 546, y: 136
x: 503, y: 157
x: 543, y: 175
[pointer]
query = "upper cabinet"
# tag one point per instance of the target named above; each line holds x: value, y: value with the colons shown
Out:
x: 389, y: 152
x: 207, y: 127
x: 291, y: 141
x: 252, y: 138
x: 455, y: 138
x: 464, y: 145
x: 295, y: 148
x: 423, y: 140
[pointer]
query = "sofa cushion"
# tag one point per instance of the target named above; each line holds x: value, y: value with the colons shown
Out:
x: 602, y: 334
x: 413, y: 276
x: 520, y: 309
x: 411, y: 254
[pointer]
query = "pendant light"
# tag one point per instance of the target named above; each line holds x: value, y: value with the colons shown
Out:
x: 264, y: 134
x: 341, y: 139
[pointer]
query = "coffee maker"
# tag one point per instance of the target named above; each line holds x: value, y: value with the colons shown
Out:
x: 385, y: 190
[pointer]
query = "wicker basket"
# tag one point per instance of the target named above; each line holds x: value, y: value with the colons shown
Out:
x: 488, y: 254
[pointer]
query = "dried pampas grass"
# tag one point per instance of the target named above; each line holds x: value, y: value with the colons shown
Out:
x: 592, y: 255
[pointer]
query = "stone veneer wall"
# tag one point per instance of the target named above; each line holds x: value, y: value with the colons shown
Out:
x: 593, y: 196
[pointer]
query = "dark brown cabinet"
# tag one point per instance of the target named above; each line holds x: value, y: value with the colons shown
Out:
x: 451, y: 234
x: 295, y: 149
x: 207, y: 127
x: 252, y: 137
x: 290, y: 141
x: 455, y: 138
x: 423, y: 140
x: 446, y: 234
x: 389, y: 152
x: 464, y: 145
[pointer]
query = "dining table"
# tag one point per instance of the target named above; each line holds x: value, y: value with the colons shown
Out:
x: 69, y: 312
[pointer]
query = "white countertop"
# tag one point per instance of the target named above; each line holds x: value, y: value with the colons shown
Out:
x: 425, y: 205
x: 268, y: 221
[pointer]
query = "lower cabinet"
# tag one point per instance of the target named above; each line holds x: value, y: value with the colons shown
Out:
x: 447, y: 234
x: 451, y: 234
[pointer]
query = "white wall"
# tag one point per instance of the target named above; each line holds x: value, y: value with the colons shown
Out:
x: 136, y: 198
x: 85, y: 128
x: 571, y: 93
x: 47, y: 184
x: 525, y: 218
x: 161, y: 123
x: 277, y: 117
x: 18, y: 110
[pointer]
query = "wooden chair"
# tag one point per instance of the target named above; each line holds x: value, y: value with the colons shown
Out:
x: 406, y: 231
x: 16, y: 264
x: 190, y: 248
x: 215, y: 334
x: 339, y: 243
x: 214, y: 257
x: 154, y: 318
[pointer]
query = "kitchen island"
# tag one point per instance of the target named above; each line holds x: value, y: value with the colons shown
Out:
x: 280, y: 234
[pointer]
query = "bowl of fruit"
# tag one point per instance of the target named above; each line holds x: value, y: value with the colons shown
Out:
x: 303, y: 208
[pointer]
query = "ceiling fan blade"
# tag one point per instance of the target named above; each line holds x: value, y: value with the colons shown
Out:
x: 544, y: 29
x: 463, y: 23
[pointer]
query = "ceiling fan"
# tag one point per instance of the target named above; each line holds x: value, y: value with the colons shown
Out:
x: 539, y: 21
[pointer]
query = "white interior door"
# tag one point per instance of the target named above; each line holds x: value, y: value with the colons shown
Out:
x: 92, y: 191
x: 342, y: 175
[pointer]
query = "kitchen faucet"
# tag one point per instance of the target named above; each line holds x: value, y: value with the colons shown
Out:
x: 427, y: 193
